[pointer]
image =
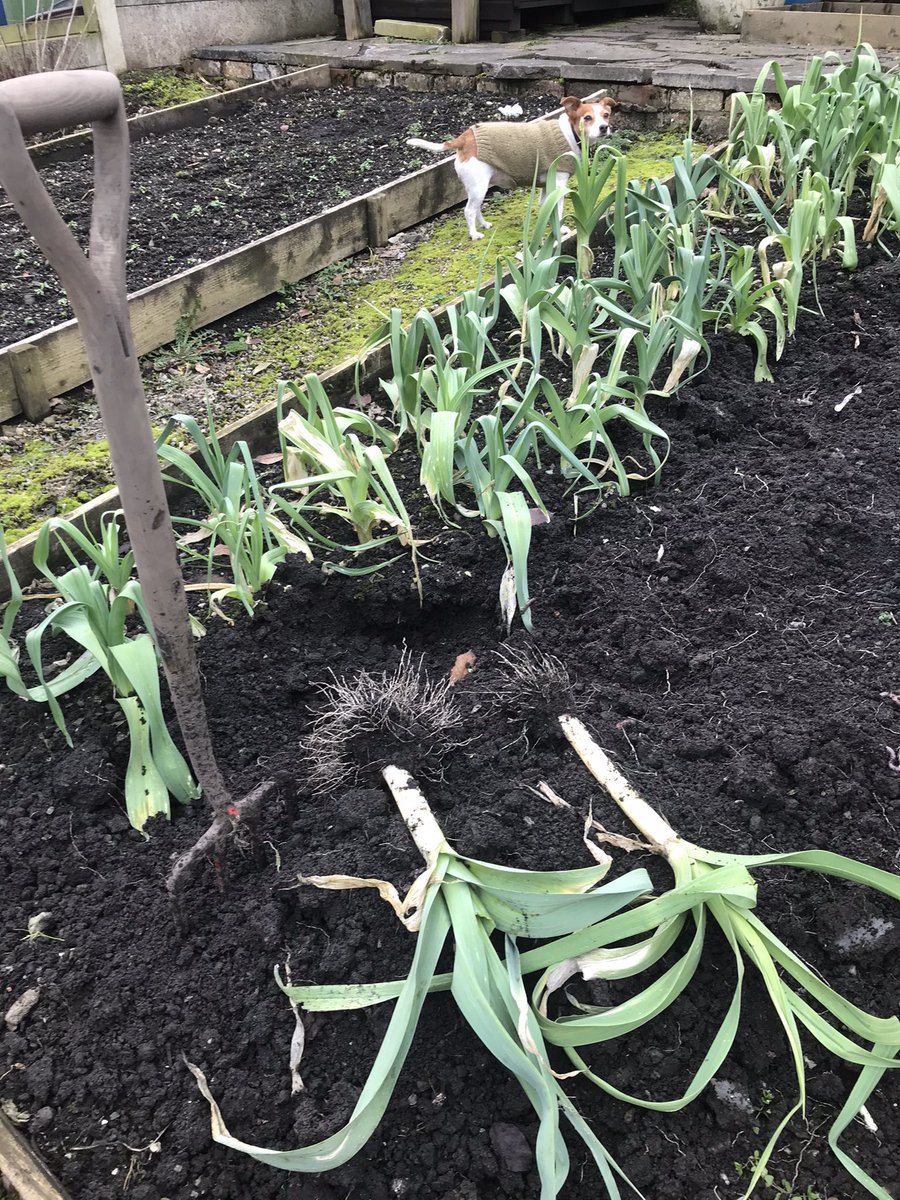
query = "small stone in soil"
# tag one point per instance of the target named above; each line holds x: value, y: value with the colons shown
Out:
x: 511, y: 1147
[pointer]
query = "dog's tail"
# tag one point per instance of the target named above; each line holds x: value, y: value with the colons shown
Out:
x: 434, y: 147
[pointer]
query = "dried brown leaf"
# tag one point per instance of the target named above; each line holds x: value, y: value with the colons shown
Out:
x: 461, y: 668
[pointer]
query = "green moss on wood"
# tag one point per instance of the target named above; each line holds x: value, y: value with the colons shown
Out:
x: 32, y: 483
x: 433, y: 272
x: 163, y: 89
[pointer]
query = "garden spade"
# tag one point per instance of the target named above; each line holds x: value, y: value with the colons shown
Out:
x: 95, y: 285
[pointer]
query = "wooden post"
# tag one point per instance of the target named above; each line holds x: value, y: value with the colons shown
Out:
x: 358, y: 19
x: 21, y: 1168
x: 378, y: 219
x: 25, y: 363
x: 464, y: 20
x: 111, y: 36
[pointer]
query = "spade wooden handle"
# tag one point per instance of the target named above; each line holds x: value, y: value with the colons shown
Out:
x: 55, y: 100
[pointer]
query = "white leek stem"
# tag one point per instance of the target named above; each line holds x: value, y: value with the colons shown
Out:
x: 655, y: 828
x: 420, y: 821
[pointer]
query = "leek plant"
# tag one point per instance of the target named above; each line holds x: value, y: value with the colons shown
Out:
x: 580, y: 423
x: 408, y: 347
x: 841, y: 125
x: 492, y: 459
x: 338, y: 475
x: 47, y: 691
x: 103, y: 550
x: 93, y: 613
x: 237, y: 517
x: 746, y: 300
x: 471, y: 320
x: 466, y: 903
x: 590, y: 197
x: 534, y: 273
x: 799, y: 996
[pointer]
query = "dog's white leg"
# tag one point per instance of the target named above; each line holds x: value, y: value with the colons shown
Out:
x: 475, y: 177
x: 562, y: 181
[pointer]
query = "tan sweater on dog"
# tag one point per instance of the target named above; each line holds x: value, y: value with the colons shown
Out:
x: 517, y: 150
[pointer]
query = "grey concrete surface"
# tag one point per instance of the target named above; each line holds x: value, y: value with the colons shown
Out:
x: 662, y: 50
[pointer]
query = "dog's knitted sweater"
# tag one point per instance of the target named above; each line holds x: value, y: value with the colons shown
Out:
x: 517, y: 149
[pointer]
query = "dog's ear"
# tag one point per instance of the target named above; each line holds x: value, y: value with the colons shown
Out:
x: 607, y: 101
x: 571, y: 104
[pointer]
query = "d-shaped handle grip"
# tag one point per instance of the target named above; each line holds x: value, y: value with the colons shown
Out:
x: 54, y: 100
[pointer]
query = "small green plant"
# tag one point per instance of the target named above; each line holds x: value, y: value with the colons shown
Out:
x: 333, y: 473
x: 780, y: 1189
x: 186, y: 350
x: 239, y: 528
x: 92, y: 610
x: 287, y: 296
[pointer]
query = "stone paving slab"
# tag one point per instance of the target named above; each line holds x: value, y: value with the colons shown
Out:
x: 662, y: 50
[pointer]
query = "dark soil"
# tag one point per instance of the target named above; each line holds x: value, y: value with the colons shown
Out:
x: 731, y: 637
x: 197, y: 193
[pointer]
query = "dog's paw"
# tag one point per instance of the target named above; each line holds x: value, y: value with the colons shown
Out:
x: 476, y: 237
x: 564, y: 231
x: 487, y: 225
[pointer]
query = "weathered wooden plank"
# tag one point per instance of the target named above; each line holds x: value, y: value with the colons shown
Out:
x: 9, y: 398
x: 191, y: 114
x: 22, y: 1170
x: 205, y: 293
x: 412, y: 199
x: 464, y: 15
x: 357, y: 19
x: 15, y: 35
x: 414, y: 31
x: 111, y: 36
x: 224, y: 285
x: 28, y: 377
x: 836, y: 30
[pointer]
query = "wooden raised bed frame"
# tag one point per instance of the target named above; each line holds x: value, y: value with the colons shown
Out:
x: 22, y: 1170
x: 259, y: 428
x: 50, y: 363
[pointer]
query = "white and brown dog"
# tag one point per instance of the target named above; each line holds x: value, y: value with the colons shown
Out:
x: 508, y: 154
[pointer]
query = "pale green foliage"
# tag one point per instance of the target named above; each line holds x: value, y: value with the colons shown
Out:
x: 92, y: 610
x: 462, y: 902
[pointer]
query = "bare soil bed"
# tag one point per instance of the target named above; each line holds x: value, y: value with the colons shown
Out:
x: 732, y: 637
x: 197, y: 193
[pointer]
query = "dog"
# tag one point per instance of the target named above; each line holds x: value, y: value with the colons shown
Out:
x: 508, y: 154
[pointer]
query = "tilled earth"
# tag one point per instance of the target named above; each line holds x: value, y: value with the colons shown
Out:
x: 732, y: 638
x: 197, y: 193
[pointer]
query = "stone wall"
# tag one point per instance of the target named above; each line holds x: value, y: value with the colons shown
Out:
x: 643, y: 106
x: 162, y: 33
